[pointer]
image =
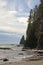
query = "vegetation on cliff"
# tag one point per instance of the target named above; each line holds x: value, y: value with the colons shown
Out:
x: 34, y: 33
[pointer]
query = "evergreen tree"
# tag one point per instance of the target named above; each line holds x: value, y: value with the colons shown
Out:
x: 28, y: 29
x: 40, y: 37
x: 34, y: 34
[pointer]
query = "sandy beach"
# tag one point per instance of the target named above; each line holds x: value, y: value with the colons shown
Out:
x: 40, y: 62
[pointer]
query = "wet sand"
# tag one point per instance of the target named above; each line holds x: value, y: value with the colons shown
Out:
x: 40, y: 62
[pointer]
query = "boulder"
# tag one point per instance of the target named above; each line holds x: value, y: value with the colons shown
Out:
x: 5, y: 59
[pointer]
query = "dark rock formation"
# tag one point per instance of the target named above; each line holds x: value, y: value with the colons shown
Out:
x: 5, y: 59
x: 5, y: 48
x: 20, y: 53
x: 22, y: 41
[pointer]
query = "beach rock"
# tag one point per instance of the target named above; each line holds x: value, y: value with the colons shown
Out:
x: 20, y: 53
x: 22, y: 41
x: 23, y: 49
x: 5, y: 48
x: 5, y: 59
x: 18, y: 45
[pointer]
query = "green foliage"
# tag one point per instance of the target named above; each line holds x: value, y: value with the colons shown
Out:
x: 34, y: 33
x: 41, y: 9
x: 41, y: 42
x: 32, y: 39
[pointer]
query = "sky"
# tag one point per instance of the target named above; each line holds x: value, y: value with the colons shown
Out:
x: 13, y: 19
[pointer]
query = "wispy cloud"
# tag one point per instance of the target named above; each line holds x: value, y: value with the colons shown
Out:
x: 31, y: 3
x: 8, y: 18
x: 14, y: 15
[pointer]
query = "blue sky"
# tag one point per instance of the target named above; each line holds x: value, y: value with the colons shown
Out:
x: 13, y: 19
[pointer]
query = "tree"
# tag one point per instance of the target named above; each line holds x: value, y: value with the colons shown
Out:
x: 34, y: 34
x: 40, y: 36
x: 31, y: 39
x: 41, y: 9
x: 28, y: 28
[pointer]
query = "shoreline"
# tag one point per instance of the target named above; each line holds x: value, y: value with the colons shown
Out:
x: 25, y: 56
